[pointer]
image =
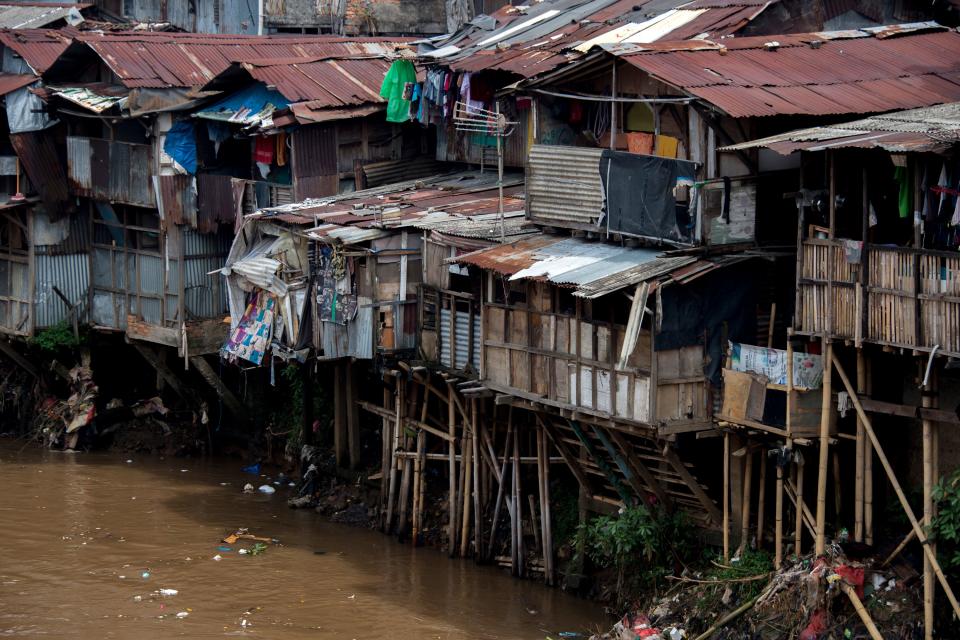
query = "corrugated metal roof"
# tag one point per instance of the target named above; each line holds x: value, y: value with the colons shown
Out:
x: 160, y: 60
x: 543, y: 36
x: 34, y: 15
x: 593, y: 269
x: 464, y: 204
x: 11, y: 82
x: 814, y: 74
x: 39, y: 48
x: 928, y: 129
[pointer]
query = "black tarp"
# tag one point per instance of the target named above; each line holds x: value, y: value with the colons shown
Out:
x: 696, y: 311
x: 640, y: 199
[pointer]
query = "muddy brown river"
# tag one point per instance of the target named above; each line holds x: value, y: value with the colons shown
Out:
x: 88, y: 541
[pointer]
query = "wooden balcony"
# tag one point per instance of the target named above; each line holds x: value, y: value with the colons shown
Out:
x: 893, y: 296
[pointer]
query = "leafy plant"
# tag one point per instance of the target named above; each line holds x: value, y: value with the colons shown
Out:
x: 641, y: 544
x: 56, y: 338
x: 946, y: 525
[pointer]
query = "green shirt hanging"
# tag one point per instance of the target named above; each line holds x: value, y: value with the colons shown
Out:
x: 397, y: 88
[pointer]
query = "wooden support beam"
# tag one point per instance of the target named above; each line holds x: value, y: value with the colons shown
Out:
x: 640, y: 469
x: 677, y: 464
x: 907, y: 411
x: 571, y: 460
x: 826, y: 410
x: 167, y: 374
x: 230, y: 401
x: 8, y: 350
x: 339, y: 416
x: 929, y: 436
x: 726, y: 497
x: 452, y: 472
x: 353, y: 418
x: 921, y: 534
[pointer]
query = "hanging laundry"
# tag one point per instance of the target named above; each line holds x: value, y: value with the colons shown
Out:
x: 281, y: 149
x: 218, y: 133
x: 905, y: 199
x: 397, y: 89
x: 263, y: 155
x: 466, y: 94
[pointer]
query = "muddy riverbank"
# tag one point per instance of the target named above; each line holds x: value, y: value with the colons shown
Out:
x: 90, y: 539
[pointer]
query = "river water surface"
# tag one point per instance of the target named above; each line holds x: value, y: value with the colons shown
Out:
x: 87, y: 541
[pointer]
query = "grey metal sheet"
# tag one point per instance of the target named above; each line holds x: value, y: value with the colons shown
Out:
x: 70, y: 273
x: 564, y: 185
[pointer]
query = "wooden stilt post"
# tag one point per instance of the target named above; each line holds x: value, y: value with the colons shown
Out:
x: 385, y: 457
x: 452, y: 471
x: 726, y: 497
x: 867, y: 466
x: 543, y: 472
x: 502, y: 486
x: 517, y: 503
x: 881, y: 456
x: 467, y: 464
x: 475, y: 457
x: 747, y: 499
x: 929, y: 434
x: 761, y: 497
x: 778, y: 530
x: 826, y: 411
x: 353, y: 418
x: 858, y: 488
x: 798, y: 527
x: 339, y: 416
x: 394, y: 462
x: 407, y: 469
x: 417, y: 480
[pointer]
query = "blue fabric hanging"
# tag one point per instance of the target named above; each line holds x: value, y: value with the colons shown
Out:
x: 181, y: 145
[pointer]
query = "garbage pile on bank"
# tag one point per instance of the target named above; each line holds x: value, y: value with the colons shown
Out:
x: 811, y: 599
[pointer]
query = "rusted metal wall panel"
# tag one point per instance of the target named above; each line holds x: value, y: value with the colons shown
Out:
x: 115, y: 171
x: 314, y: 151
x: 316, y: 187
x: 43, y: 165
x: 78, y: 164
x: 219, y: 200
x: 178, y: 197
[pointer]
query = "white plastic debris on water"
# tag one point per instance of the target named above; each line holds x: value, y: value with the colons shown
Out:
x: 182, y: 614
x: 168, y: 592
x: 243, y: 552
x: 218, y: 557
x: 265, y: 488
x: 248, y: 488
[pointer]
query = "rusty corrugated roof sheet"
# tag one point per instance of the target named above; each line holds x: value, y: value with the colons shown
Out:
x: 161, y: 60
x: 543, y: 36
x: 39, y: 48
x: 928, y: 129
x: 463, y: 204
x: 11, y: 82
x: 862, y: 71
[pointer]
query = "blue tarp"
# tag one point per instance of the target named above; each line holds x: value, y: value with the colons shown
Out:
x: 241, y: 105
x: 181, y: 145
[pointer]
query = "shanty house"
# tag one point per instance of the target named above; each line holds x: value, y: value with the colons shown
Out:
x: 164, y: 194
x: 43, y: 242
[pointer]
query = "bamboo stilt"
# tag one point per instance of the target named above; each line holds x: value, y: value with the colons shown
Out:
x: 859, y: 469
x: 475, y: 467
x: 502, y: 487
x: 921, y: 535
x: 535, y: 525
x: 394, y: 463
x: 467, y: 465
x: 826, y: 411
x: 761, y: 497
x: 545, y: 515
x: 867, y: 467
x: 747, y: 499
x: 452, y: 471
x: 778, y: 530
x: 420, y: 487
x: 385, y: 459
x: 798, y: 527
x: 907, y: 539
x: 517, y: 506
x: 929, y: 581
x: 861, y: 611
x: 726, y: 497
